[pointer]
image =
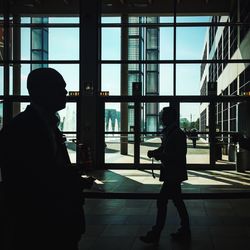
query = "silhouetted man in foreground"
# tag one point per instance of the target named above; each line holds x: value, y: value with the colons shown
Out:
x: 172, y: 154
x: 43, y: 193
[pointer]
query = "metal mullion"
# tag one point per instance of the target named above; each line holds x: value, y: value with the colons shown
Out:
x: 137, y: 131
x: 49, y: 25
x: 210, y: 24
x: 69, y: 132
x: 177, y: 24
x: 7, y: 108
x: 177, y: 61
x: 135, y: 25
x: 178, y: 98
x: 119, y: 133
x: 43, y: 61
x: 174, y: 50
x: 26, y: 98
x: 6, y: 55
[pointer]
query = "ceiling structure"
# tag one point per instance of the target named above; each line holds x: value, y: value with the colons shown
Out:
x: 162, y: 7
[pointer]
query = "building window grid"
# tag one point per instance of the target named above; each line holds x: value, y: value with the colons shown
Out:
x: 214, y: 75
x: 203, y: 123
x: 203, y: 65
x: 233, y: 32
x: 233, y: 106
x: 244, y: 81
x: 219, y: 116
x: 204, y: 87
x: 212, y: 31
x: 244, y: 18
x: 225, y: 45
x: 225, y: 111
x: 220, y: 65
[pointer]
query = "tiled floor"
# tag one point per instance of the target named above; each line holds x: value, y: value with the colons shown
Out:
x: 216, y: 224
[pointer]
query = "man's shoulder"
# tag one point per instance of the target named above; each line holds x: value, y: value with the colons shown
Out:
x: 179, y: 131
x: 24, y: 119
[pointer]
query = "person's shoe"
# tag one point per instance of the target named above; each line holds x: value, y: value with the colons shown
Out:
x: 151, y: 238
x: 182, y: 235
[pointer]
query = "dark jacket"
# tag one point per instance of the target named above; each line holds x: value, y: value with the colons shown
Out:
x: 172, y: 154
x: 42, y: 192
x: 244, y: 143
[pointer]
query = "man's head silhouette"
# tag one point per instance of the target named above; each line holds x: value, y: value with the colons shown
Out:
x: 46, y: 88
x: 168, y: 116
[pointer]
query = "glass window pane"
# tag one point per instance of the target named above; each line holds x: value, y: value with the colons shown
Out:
x: 151, y: 86
x: 111, y: 43
x: 193, y: 19
x: 119, y: 117
x: 71, y: 146
x: 63, y: 43
x: 152, y: 38
x: 193, y: 124
x: 113, y: 19
x: 64, y: 20
x: 111, y: 78
x: 37, y: 42
x: 166, y: 43
x: 190, y: 42
x: 166, y: 19
x: 25, y: 43
x: 188, y: 79
x: 68, y: 118
x: 25, y: 20
x: 119, y: 148
x: 166, y: 79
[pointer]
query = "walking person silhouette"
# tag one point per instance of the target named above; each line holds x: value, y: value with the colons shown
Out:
x: 172, y: 154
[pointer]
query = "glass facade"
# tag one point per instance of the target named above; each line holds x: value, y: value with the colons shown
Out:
x: 192, y: 61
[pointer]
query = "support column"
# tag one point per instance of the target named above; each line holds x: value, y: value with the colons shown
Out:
x: 7, y: 107
x: 89, y: 125
x: 16, y: 66
x: 124, y: 85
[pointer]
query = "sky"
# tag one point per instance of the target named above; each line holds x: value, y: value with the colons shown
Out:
x: 64, y: 45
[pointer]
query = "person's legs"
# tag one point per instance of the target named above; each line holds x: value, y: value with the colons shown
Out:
x: 153, y: 236
x: 162, y: 202
x: 184, y: 231
x: 180, y: 205
x: 194, y: 143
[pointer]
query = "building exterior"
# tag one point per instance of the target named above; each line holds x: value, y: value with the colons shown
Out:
x: 222, y: 43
